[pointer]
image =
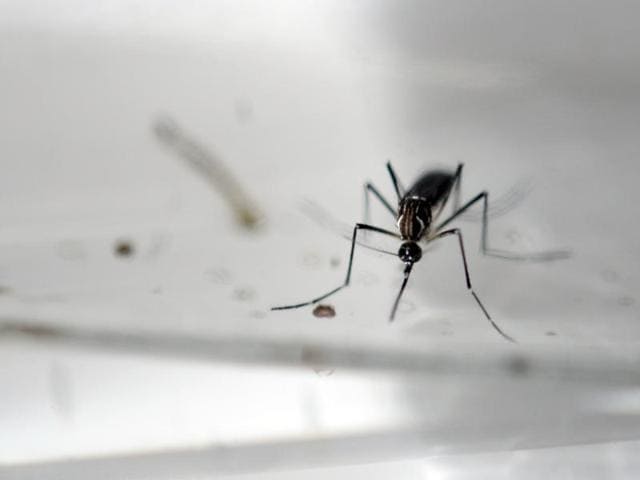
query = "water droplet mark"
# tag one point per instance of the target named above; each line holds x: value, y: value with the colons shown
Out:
x: 626, y: 301
x: 609, y: 275
x: 244, y: 294
x: 316, y: 359
x: 513, y: 236
x: 219, y: 275
x: 518, y: 366
x: 311, y: 260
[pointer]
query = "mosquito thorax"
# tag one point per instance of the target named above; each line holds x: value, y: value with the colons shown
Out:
x: 410, y: 252
x: 414, y: 218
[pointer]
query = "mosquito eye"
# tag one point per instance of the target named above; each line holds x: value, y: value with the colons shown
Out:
x: 410, y: 252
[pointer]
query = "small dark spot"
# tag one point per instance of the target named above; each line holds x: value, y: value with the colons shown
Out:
x: 244, y: 294
x: 324, y: 372
x: 257, y: 314
x: 248, y: 217
x: 157, y: 291
x: 609, y: 275
x: 517, y: 365
x: 334, y: 262
x: 550, y: 333
x: 626, y: 301
x: 123, y: 248
x: 324, y: 311
x: 5, y: 290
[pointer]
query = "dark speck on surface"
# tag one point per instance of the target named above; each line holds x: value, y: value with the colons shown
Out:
x: 324, y: 311
x: 517, y: 365
x: 123, y: 248
x: 626, y: 301
x: 41, y: 331
x: 610, y: 275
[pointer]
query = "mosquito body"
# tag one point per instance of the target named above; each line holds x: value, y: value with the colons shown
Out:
x: 417, y: 214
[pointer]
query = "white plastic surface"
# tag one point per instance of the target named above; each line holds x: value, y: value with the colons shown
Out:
x: 168, y: 362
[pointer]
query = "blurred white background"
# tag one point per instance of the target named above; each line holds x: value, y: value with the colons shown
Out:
x: 167, y: 363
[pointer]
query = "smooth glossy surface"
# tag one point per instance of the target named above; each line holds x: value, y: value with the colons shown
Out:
x: 169, y: 361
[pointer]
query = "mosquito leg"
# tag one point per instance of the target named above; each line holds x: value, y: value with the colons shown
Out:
x: 492, y: 252
x: 455, y: 231
x: 358, y: 227
x: 457, y: 180
x: 369, y: 188
x: 407, y: 272
x: 396, y: 183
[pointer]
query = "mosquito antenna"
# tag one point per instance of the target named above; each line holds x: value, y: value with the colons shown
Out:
x: 407, y: 271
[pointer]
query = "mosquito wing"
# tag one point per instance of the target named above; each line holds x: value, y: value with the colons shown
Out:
x: 434, y: 186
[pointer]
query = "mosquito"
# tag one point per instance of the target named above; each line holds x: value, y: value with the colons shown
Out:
x: 416, y: 215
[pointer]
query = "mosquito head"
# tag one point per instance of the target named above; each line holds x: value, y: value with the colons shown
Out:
x: 410, y: 252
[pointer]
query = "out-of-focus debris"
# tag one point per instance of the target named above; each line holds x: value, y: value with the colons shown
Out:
x: 209, y: 165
